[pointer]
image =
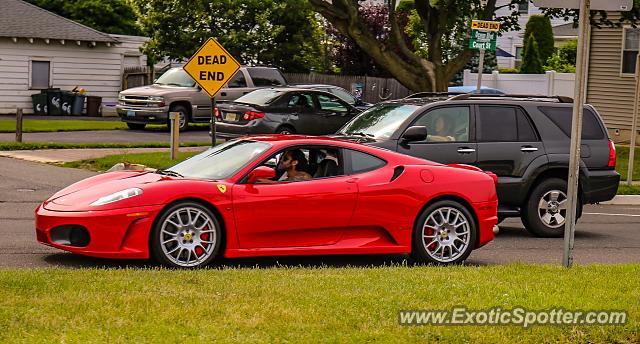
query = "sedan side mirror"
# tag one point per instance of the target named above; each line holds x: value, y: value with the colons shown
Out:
x: 415, y: 133
x: 262, y: 172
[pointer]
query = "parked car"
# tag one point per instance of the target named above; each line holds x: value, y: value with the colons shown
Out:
x: 283, y: 111
x: 523, y: 140
x: 176, y: 91
x: 340, y: 92
x: 227, y: 202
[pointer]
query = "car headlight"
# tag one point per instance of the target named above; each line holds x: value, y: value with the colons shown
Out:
x: 118, y: 196
x: 156, y: 99
x: 120, y: 97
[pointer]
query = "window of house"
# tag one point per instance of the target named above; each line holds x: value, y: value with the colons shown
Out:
x: 40, y: 73
x: 518, y: 55
x: 630, y: 48
x: 523, y: 7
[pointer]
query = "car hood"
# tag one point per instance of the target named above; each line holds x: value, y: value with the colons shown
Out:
x: 155, y: 90
x: 79, y: 196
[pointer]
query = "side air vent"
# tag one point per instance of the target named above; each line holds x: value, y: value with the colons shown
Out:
x: 397, y: 172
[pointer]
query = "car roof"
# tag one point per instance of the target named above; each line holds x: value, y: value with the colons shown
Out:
x: 424, y: 98
x: 281, y: 141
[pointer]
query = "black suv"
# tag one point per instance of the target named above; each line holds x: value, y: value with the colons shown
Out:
x: 522, y: 139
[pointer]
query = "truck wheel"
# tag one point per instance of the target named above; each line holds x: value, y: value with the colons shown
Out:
x: 545, y: 212
x: 285, y: 130
x: 184, y: 116
x: 136, y: 126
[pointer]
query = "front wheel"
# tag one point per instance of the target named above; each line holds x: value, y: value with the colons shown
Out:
x: 187, y: 235
x: 445, y: 233
x: 545, y: 212
x: 184, y: 117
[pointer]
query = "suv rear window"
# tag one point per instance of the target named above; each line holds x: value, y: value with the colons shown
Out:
x: 266, y: 77
x: 561, y: 116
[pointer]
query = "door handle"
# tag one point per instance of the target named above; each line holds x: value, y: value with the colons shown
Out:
x: 352, y: 180
x: 466, y: 150
x: 528, y: 149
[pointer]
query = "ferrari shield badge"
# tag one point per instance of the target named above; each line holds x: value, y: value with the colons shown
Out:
x: 222, y: 188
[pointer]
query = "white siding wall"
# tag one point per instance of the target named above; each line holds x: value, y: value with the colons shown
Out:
x: 509, y: 41
x: 97, y: 69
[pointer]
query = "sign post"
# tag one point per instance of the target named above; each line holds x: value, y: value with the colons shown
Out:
x: 585, y: 7
x: 634, y: 124
x: 212, y: 67
x: 483, y: 37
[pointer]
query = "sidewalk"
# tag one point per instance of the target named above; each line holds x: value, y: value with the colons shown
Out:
x: 77, y: 118
x: 66, y: 155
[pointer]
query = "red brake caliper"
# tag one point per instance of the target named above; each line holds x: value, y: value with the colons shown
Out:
x: 205, y: 237
x: 429, y: 231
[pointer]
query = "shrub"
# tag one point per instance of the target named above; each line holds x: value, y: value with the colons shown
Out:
x: 539, y: 27
x: 531, y: 62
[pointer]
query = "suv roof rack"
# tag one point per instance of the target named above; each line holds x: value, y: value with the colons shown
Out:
x: 432, y: 95
x: 528, y: 97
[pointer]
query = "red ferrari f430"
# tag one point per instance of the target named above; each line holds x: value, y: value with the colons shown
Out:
x: 275, y: 196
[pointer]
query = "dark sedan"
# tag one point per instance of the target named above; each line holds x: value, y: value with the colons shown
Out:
x: 283, y: 111
x: 340, y: 92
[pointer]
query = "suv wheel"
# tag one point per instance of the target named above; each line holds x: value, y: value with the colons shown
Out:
x: 285, y: 130
x: 184, y: 116
x: 545, y: 212
x: 136, y: 126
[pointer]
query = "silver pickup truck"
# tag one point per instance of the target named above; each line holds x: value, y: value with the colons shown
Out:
x: 176, y: 91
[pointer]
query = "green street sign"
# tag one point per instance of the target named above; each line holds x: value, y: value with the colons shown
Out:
x: 483, y: 40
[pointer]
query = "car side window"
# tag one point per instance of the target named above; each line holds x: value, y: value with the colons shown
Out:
x: 362, y: 162
x: 238, y: 80
x: 331, y: 103
x: 312, y: 163
x: 446, y: 124
x: 526, y: 133
x: 504, y: 124
x: 304, y: 101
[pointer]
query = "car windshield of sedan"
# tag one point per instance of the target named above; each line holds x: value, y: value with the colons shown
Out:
x: 381, y: 121
x: 175, y: 77
x: 260, y: 97
x: 221, y: 161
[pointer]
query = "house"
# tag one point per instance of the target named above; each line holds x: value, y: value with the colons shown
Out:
x: 40, y: 50
x: 611, y: 79
x: 509, y: 45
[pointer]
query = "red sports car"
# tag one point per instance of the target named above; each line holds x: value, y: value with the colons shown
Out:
x: 273, y: 196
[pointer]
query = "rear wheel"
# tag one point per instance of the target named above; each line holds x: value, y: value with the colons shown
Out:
x: 285, y: 130
x: 187, y: 235
x: 136, y: 126
x: 445, y: 233
x: 545, y: 212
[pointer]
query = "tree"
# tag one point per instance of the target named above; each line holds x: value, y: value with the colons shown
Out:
x: 110, y: 16
x: 445, y: 25
x: 280, y: 33
x: 540, y: 27
x: 531, y: 61
x: 565, y: 60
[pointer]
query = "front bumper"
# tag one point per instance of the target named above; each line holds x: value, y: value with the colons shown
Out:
x: 121, y: 233
x: 159, y: 115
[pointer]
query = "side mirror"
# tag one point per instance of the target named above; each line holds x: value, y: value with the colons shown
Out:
x: 262, y: 172
x: 415, y: 133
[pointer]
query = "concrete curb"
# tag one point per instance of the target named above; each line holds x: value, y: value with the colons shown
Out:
x: 624, y: 200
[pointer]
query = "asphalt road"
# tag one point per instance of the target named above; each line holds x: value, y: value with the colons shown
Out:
x: 109, y: 136
x: 605, y: 234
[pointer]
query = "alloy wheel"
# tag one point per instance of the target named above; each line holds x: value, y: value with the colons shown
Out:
x: 552, y: 208
x: 446, y: 234
x: 188, y: 236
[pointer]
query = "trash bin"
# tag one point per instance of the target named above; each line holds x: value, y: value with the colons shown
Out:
x: 39, y: 103
x: 93, y: 105
x: 78, y: 105
x: 54, y: 101
x: 66, y: 99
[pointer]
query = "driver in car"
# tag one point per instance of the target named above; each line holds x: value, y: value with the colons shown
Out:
x: 293, y: 162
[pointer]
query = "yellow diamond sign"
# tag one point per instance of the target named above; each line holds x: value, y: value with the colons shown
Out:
x: 211, y: 66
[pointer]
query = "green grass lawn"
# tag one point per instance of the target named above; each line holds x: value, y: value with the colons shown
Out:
x: 7, y: 146
x: 622, y: 162
x: 624, y: 189
x: 43, y: 125
x: 155, y: 160
x: 307, y: 305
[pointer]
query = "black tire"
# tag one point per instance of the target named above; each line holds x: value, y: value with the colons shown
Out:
x: 164, y: 254
x: 285, y: 130
x: 423, y: 249
x: 184, y: 116
x: 536, y: 220
x: 136, y: 126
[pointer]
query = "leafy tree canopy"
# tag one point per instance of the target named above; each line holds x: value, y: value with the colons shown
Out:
x: 109, y: 16
x: 281, y: 33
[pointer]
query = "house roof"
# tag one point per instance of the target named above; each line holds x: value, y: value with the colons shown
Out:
x: 565, y: 30
x: 23, y: 20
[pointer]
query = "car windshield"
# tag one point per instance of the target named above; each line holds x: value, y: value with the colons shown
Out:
x: 176, y: 77
x: 221, y: 161
x: 381, y: 121
x: 260, y: 97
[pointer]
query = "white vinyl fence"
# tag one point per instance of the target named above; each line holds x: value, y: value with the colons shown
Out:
x: 548, y: 84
